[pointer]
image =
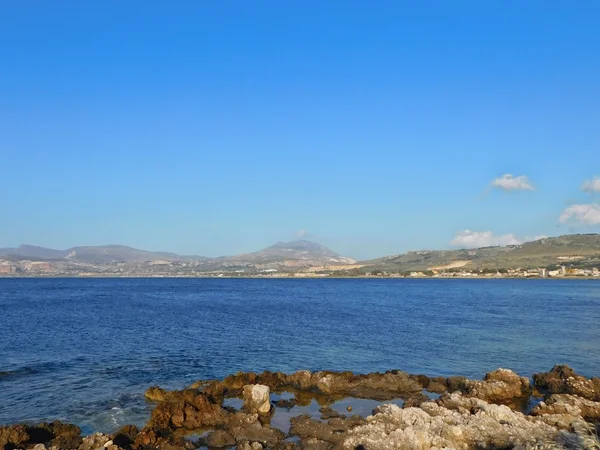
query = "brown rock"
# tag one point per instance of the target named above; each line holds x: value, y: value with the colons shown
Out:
x: 188, y: 409
x: 219, y: 439
x: 562, y: 379
x: 125, y: 436
x: 13, y: 436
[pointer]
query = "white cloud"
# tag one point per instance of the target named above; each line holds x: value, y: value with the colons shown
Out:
x: 582, y: 214
x: 475, y: 239
x: 302, y: 233
x: 509, y: 182
x: 591, y: 186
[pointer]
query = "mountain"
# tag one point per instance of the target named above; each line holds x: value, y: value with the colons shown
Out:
x: 577, y: 250
x: 295, y: 254
x: 32, y: 252
x: 91, y: 254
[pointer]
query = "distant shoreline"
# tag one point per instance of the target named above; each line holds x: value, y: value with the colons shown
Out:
x: 307, y: 277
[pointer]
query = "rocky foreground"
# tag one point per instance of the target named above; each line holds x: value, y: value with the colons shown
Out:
x: 494, y: 413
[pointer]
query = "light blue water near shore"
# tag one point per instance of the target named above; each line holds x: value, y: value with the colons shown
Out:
x: 84, y: 350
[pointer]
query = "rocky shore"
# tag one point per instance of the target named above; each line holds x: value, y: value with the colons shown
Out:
x: 558, y: 409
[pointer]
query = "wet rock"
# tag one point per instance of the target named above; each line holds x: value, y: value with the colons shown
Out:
x: 328, y: 413
x: 416, y: 400
x: 125, y: 436
x: 257, y: 398
x: 287, y: 404
x: 189, y: 409
x: 437, y: 386
x: 248, y: 427
x: 331, y: 431
x: 456, y: 383
x: 562, y: 379
x: 219, y: 439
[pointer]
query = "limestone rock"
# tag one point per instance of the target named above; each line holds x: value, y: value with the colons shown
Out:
x: 257, y: 398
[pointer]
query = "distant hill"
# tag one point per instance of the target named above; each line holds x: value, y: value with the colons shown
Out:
x: 296, y: 254
x: 91, y: 254
x: 577, y: 250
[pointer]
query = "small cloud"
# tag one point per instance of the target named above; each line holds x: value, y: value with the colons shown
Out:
x: 509, y: 182
x: 582, y: 214
x: 591, y: 186
x: 475, y: 239
x: 302, y: 234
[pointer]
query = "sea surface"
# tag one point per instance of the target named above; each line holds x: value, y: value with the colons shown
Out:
x: 85, y: 350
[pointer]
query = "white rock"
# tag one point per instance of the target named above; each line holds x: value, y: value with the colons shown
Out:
x: 257, y: 398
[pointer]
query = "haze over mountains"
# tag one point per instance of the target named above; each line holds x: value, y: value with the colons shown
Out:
x: 578, y: 250
x: 299, y: 253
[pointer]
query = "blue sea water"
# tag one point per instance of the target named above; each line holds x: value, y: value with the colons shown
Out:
x: 84, y: 350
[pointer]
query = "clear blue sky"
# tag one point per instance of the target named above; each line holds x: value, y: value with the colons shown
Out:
x: 221, y: 127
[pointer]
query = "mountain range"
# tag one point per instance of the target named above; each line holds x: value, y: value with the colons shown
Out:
x: 300, y: 253
x: 575, y: 250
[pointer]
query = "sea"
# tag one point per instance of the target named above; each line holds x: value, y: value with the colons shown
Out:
x: 85, y: 350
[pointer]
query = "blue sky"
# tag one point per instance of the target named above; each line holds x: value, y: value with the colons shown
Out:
x: 372, y: 127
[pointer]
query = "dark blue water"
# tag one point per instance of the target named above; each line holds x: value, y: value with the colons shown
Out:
x: 84, y: 350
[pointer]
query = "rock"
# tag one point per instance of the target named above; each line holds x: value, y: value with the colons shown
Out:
x: 331, y: 431
x: 247, y: 427
x: 155, y: 394
x: 570, y: 405
x: 125, y: 436
x: 349, y: 408
x: 219, y: 439
x: 287, y: 404
x: 328, y: 413
x: 94, y: 441
x: 250, y: 446
x: 562, y: 379
x: 187, y: 409
x: 257, y: 398
x: 39, y: 447
x: 433, y: 425
x: 501, y: 386
x: 13, y: 436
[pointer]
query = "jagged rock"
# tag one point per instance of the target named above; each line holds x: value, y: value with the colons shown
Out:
x: 155, y: 394
x: 434, y: 425
x: 381, y: 386
x: 189, y: 409
x: 13, y: 436
x: 257, y: 398
x: 125, y: 436
x: 571, y: 405
x: 501, y: 386
x: 94, y: 441
x: 562, y: 379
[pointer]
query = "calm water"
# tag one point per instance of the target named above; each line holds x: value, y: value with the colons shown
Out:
x: 84, y: 350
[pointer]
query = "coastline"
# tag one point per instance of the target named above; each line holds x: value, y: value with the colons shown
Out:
x: 249, y: 411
